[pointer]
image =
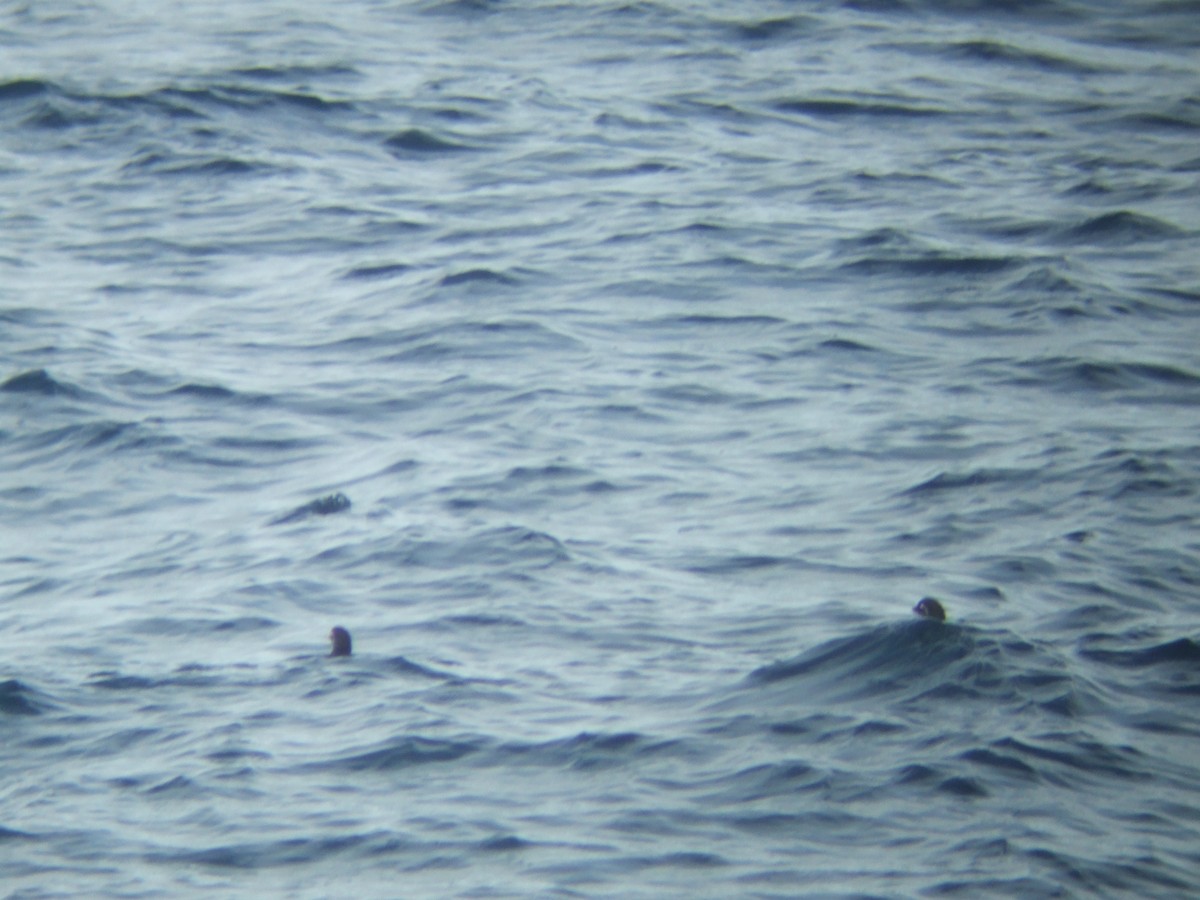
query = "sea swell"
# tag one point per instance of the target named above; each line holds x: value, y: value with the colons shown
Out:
x: 620, y: 376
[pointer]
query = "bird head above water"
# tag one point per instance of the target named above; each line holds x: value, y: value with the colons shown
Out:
x: 927, y: 608
x: 340, y: 638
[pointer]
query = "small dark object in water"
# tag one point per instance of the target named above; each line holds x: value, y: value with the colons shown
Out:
x: 929, y: 608
x: 341, y: 641
x: 323, y: 506
x: 327, y: 506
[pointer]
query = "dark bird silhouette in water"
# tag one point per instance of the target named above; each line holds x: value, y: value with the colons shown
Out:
x: 340, y: 638
x: 927, y: 608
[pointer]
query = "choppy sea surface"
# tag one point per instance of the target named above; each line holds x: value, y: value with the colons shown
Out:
x: 619, y: 374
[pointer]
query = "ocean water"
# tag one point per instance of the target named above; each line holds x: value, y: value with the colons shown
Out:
x: 619, y: 374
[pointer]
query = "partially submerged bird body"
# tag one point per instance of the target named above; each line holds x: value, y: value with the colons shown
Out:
x: 340, y: 638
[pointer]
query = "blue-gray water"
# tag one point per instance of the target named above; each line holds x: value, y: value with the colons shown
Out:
x: 666, y: 354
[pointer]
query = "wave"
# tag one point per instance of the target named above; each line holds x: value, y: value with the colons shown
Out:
x: 923, y: 661
x: 92, y: 442
x: 588, y: 751
x: 184, y: 626
x: 114, y: 681
x: 238, y: 97
x: 309, y: 850
x: 204, y: 391
x: 1081, y: 760
x: 890, y: 251
x: 585, y: 751
x: 468, y: 9
x: 843, y: 345
x: 471, y: 276
x: 1005, y: 54
x: 417, y: 142
x: 159, y: 163
x: 1044, y: 280
x: 840, y: 108
x: 1185, y: 121
x: 471, y: 340
x: 1119, y: 228
x: 685, y: 323
x: 884, y: 651
x: 379, y: 271
x: 1074, y: 375
x: 18, y: 699
x: 23, y: 89
x: 646, y: 167
x: 403, y: 753
x: 739, y: 563
x: 39, y: 382
x: 507, y: 547
x: 686, y: 395
x: 1182, y: 652
x: 932, y: 264
x: 284, y: 852
x: 52, y: 105
x: 766, y: 31
x: 402, y: 666
x: 975, y: 9
x: 980, y: 478
x: 297, y: 72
